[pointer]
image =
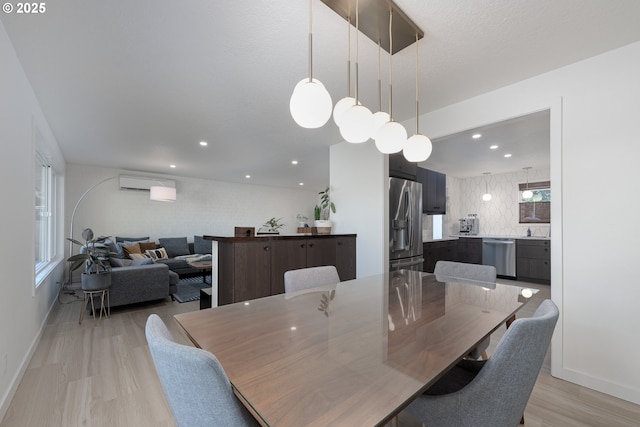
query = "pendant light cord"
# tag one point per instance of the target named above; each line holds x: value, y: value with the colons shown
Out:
x: 417, y: 105
x: 349, y: 56
x: 390, y: 65
x: 379, y: 81
x: 310, y: 43
x: 357, y: 48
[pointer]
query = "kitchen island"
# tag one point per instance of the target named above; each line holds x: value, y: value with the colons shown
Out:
x: 253, y: 267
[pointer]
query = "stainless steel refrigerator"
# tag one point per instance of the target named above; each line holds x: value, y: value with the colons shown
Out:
x: 405, y: 225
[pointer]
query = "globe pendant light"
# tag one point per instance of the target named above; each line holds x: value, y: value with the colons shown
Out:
x: 418, y: 147
x: 527, y: 194
x: 486, y: 196
x: 310, y: 102
x: 358, y: 120
x: 348, y: 101
x: 380, y: 117
x: 392, y: 136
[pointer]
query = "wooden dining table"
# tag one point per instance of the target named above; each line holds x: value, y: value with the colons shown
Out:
x: 355, y: 353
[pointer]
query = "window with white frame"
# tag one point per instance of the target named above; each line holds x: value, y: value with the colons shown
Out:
x: 44, y: 213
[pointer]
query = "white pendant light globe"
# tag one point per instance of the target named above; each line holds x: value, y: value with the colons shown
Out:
x: 341, y: 108
x: 356, y: 124
x: 391, y: 138
x: 486, y: 197
x: 527, y: 194
x: 418, y: 148
x: 379, y: 119
x: 310, y: 104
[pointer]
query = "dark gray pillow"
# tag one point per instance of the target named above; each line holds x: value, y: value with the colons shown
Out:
x: 201, y: 246
x: 175, y: 246
x: 131, y: 239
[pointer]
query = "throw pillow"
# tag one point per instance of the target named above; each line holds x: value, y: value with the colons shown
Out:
x: 143, y: 261
x: 145, y: 246
x: 156, y: 254
x: 131, y: 249
x: 201, y: 246
x: 131, y: 239
x: 175, y: 246
x: 138, y: 256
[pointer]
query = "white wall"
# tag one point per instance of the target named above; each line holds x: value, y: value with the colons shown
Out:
x: 595, y: 178
x: 23, y: 309
x: 202, y: 206
x: 359, y: 189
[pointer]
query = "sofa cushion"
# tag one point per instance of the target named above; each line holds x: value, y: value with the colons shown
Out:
x: 119, y: 262
x: 131, y: 249
x: 201, y: 246
x: 139, y: 256
x: 156, y: 254
x: 131, y: 239
x: 145, y: 246
x: 175, y: 246
x: 141, y: 261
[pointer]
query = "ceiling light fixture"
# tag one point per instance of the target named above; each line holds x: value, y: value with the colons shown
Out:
x: 358, y: 119
x: 294, y: 162
x: 172, y: 166
x: 392, y: 136
x: 527, y: 194
x: 476, y: 136
x: 493, y: 147
x: 486, y: 196
x: 348, y: 101
x: 418, y: 148
x: 204, y: 143
x: 310, y: 102
x: 507, y: 155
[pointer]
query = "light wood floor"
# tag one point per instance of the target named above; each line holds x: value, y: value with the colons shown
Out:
x: 103, y: 375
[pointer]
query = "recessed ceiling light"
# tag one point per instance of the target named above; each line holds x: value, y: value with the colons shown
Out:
x: 476, y: 136
x: 301, y: 183
x: 247, y: 176
x: 294, y: 162
x: 172, y: 166
x: 493, y: 147
x: 204, y: 143
x: 507, y: 155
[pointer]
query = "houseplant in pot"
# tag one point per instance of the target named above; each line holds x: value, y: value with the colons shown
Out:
x: 94, y: 256
x: 322, y: 212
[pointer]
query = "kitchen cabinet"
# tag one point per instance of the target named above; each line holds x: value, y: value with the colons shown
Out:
x: 441, y: 250
x: 470, y: 250
x: 533, y: 260
x: 434, y: 191
x: 400, y: 167
x: 254, y: 267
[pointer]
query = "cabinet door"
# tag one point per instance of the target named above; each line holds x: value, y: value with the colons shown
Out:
x: 470, y: 250
x: 346, y: 257
x: 252, y: 270
x: 400, y: 167
x: 286, y: 255
x: 321, y: 251
x: 434, y: 191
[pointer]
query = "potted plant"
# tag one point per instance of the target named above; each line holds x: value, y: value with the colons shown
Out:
x: 95, y: 258
x: 322, y: 212
x: 271, y: 226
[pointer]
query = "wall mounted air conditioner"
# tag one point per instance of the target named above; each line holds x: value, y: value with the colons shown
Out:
x: 144, y: 183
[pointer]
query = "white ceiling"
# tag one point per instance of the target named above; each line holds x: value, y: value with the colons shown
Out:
x: 137, y: 84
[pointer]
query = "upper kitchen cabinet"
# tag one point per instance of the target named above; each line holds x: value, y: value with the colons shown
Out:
x: 434, y: 191
x: 400, y: 167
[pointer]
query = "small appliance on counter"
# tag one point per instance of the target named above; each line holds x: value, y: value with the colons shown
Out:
x: 470, y: 224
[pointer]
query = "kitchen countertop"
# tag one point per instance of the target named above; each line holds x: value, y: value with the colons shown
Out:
x: 485, y: 236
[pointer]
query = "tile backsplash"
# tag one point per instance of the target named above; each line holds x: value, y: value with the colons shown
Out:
x: 500, y: 215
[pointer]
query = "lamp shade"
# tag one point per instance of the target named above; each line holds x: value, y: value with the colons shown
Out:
x: 162, y: 194
x: 341, y: 108
x: 379, y: 119
x: 356, y: 124
x: 391, y: 138
x: 527, y: 194
x: 310, y: 104
x: 486, y: 197
x: 418, y: 148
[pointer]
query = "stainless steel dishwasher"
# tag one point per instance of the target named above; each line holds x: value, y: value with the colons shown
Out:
x: 501, y: 253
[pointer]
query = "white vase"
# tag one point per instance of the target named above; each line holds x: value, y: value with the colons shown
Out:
x: 323, y: 226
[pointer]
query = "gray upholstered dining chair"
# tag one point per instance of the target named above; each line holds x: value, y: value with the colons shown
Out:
x: 305, y: 278
x: 492, y: 393
x: 197, y: 388
x: 483, y: 273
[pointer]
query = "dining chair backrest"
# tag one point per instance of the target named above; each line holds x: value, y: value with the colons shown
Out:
x: 305, y: 278
x: 499, y: 393
x: 197, y: 388
x: 483, y: 273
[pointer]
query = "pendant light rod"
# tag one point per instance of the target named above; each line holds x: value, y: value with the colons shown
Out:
x: 417, y: 105
x: 390, y: 65
x: 379, y: 81
x: 357, y: 48
x: 349, y: 56
x: 310, y: 42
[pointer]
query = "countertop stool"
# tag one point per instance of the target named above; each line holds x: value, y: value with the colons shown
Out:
x: 104, y: 293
